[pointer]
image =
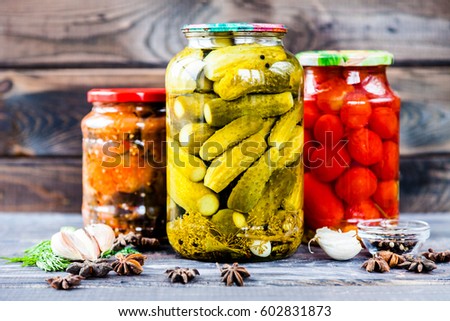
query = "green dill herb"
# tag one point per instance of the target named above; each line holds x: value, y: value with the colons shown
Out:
x: 125, y: 251
x: 42, y: 256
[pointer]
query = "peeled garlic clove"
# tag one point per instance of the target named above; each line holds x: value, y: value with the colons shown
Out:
x: 104, y: 235
x: 86, y: 244
x: 337, y: 245
x: 63, y: 245
x: 261, y: 248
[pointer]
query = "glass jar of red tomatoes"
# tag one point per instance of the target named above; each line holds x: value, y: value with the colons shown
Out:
x: 351, y: 152
x: 124, y: 175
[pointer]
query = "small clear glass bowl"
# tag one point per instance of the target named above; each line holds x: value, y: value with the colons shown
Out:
x: 398, y: 236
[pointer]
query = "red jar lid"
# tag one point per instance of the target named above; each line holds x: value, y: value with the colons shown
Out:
x: 126, y: 95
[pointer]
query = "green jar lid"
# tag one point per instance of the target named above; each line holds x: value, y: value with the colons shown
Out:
x: 345, y: 58
x: 235, y: 27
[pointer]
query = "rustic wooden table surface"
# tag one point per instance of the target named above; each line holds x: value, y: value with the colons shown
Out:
x: 304, y: 276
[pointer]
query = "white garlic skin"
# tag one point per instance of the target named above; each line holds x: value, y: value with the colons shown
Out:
x: 337, y: 245
x: 63, y: 245
x: 104, y: 235
x: 83, y: 244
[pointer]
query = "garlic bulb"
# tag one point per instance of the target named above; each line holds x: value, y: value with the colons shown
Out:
x: 104, y: 235
x: 63, y: 245
x: 83, y: 244
x: 337, y: 245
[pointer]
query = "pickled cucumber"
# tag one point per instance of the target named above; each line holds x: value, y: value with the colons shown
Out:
x: 282, y: 131
x: 278, y: 187
x: 185, y: 69
x: 190, y: 107
x: 238, y: 82
x: 234, y: 161
x: 247, y: 56
x: 219, y: 112
x: 193, y: 197
x: 192, y: 167
x: 294, y: 201
x: 230, y: 135
x: 193, y: 135
x: 250, y: 186
x: 223, y: 221
x: 204, y: 85
x: 293, y: 147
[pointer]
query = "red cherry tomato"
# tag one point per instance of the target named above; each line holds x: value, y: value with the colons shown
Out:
x: 308, y: 148
x: 390, y: 100
x: 320, y: 74
x: 328, y: 130
x: 322, y: 207
x: 387, y: 169
x: 391, y: 212
x: 356, y: 110
x: 395, y: 104
x: 384, y: 122
x: 363, y: 210
x: 330, y: 95
x: 365, y: 146
x: 356, y: 184
x: 386, y: 195
x: 327, y: 164
x: 311, y: 114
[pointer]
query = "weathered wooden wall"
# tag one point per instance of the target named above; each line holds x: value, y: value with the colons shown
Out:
x: 52, y: 52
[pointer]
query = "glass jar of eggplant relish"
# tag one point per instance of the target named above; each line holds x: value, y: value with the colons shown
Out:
x: 235, y: 137
x: 124, y: 182
x: 351, y: 153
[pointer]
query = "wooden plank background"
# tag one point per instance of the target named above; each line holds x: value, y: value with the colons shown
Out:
x: 52, y: 52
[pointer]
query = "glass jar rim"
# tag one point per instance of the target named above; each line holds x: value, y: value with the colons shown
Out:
x: 392, y: 225
x: 345, y: 58
x: 126, y: 95
x: 229, y: 27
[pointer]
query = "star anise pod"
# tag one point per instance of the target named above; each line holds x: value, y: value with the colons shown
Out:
x: 89, y: 269
x: 181, y: 275
x: 233, y: 274
x: 123, y: 240
x: 392, y: 259
x: 66, y: 282
x: 131, y: 238
x: 437, y: 257
x: 129, y: 264
x: 148, y: 243
x: 376, y: 264
x: 417, y: 264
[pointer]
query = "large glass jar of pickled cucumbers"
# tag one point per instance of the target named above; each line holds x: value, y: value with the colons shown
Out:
x: 124, y: 182
x: 235, y: 138
x: 351, y: 138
